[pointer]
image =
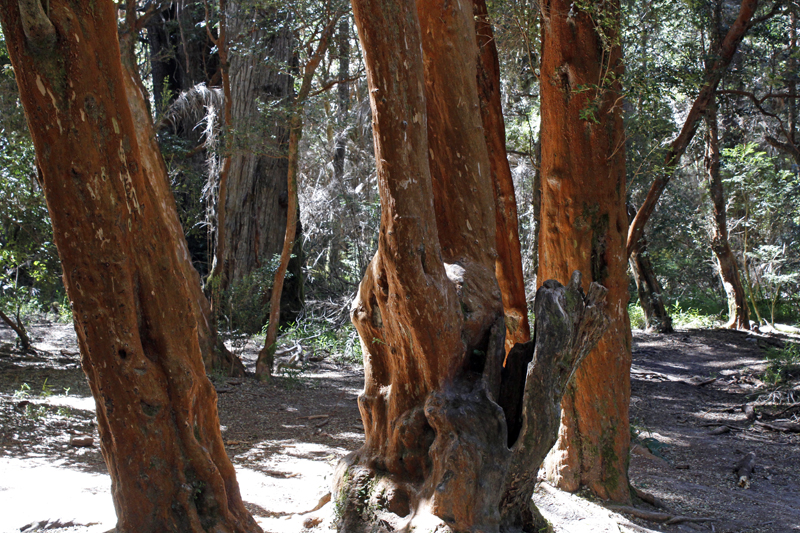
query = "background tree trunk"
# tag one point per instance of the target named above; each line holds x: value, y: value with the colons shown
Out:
x: 648, y: 287
x: 509, y: 254
x: 738, y: 312
x: 124, y: 275
x: 256, y: 196
x: 583, y: 228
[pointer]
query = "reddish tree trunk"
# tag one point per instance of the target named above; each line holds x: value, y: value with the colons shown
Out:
x: 509, y: 255
x: 713, y: 76
x: 738, y: 312
x: 583, y: 228
x: 429, y: 311
x: 156, y: 409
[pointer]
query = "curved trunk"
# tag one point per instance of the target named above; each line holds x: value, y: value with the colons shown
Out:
x: 648, y: 287
x: 509, y: 254
x: 124, y: 274
x: 583, y: 228
x: 738, y: 312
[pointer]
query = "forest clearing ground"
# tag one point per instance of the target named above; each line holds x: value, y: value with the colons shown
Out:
x: 285, y: 438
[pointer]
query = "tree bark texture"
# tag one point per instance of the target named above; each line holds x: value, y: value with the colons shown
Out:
x: 509, y: 254
x: 648, y: 287
x: 137, y: 333
x: 216, y: 357
x: 429, y: 310
x: 738, y: 312
x: 583, y: 227
x: 256, y: 195
x: 713, y: 75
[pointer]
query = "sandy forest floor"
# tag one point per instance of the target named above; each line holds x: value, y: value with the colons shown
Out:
x: 688, y: 393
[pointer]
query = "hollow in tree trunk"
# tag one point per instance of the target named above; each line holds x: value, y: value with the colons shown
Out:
x: 438, y: 407
x: 156, y: 410
x: 583, y: 228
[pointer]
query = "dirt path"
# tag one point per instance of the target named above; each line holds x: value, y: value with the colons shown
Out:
x: 285, y: 438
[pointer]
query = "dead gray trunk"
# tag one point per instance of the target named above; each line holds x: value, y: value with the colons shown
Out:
x: 256, y: 196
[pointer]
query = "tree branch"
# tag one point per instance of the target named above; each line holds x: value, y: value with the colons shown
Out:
x: 678, y: 147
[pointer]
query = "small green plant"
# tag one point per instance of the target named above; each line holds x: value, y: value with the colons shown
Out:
x: 784, y: 363
x: 23, y: 392
x: 47, y: 390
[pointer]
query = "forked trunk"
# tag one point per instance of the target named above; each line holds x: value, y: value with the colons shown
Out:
x: 124, y: 274
x: 584, y: 224
x: 429, y: 312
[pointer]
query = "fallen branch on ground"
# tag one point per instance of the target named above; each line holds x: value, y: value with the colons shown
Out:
x: 652, y: 516
x: 785, y: 426
x: 649, y: 498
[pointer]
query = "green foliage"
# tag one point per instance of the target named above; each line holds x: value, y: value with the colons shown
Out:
x: 245, y: 304
x: 784, y: 364
x: 636, y: 315
x: 691, y: 317
x: 29, y: 266
x: 321, y: 338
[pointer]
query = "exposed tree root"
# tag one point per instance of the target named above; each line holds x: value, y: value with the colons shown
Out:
x: 652, y: 516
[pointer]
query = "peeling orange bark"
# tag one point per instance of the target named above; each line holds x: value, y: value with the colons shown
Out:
x: 583, y: 227
x: 156, y: 409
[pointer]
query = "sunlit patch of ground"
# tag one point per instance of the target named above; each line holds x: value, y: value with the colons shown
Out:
x: 37, y: 489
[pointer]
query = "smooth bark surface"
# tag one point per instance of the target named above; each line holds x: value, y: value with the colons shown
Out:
x: 583, y: 227
x: 137, y: 333
x: 509, y: 254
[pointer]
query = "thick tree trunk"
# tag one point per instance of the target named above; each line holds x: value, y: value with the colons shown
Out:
x: 583, y: 228
x: 509, y: 254
x: 216, y: 357
x: 124, y: 274
x: 738, y: 312
x: 429, y: 310
x: 648, y: 287
x: 256, y: 189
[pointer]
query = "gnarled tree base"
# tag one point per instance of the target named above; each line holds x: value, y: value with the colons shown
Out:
x: 477, y: 441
